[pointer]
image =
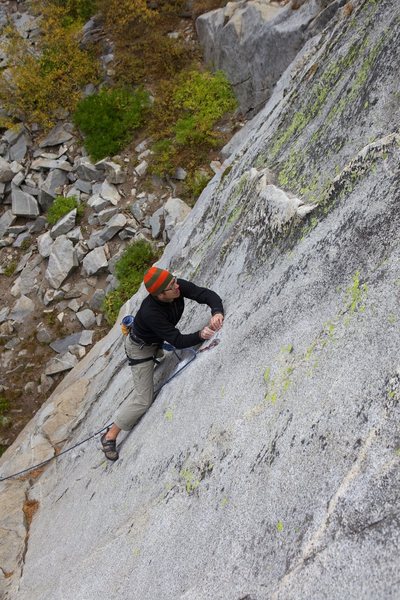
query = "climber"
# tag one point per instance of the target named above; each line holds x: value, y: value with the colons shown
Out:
x: 154, y: 323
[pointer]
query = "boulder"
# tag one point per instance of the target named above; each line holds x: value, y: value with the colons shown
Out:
x: 128, y: 233
x: 109, y: 192
x: 180, y: 174
x: 61, y: 262
x: 6, y: 171
x: 44, y: 244
x: 94, y: 262
x: 253, y: 42
x: 112, y: 227
x: 4, y: 314
x: 53, y: 185
x: 86, y: 317
x: 175, y: 211
x: 19, y: 149
x: 87, y: 171
x: 83, y: 186
x: 156, y: 222
x: 6, y: 220
x: 105, y: 215
x: 64, y: 225
x: 75, y: 235
x: 96, y: 301
x: 141, y: 168
x: 27, y: 282
x: 61, y: 363
x: 83, y: 338
x: 13, y: 134
x: 58, y: 135
x: 114, y: 172
x: 38, y: 225
x: 98, y: 203
x: 23, y: 204
x: 22, y: 309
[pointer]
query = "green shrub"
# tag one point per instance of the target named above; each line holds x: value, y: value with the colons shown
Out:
x: 129, y: 271
x: 76, y: 10
x: 62, y: 206
x: 4, y: 404
x: 185, y: 115
x: 196, y: 182
x: 108, y: 119
x: 37, y: 84
x: 10, y: 268
x: 205, y: 98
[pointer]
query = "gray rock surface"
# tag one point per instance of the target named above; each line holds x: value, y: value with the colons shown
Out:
x: 22, y: 309
x: 94, y: 261
x: 19, y: 149
x: 254, y: 41
x: 175, y: 211
x: 6, y: 220
x: 58, y: 135
x: 88, y: 171
x: 61, y: 363
x: 23, y: 204
x: 83, y: 338
x: 52, y: 187
x: 6, y: 172
x: 269, y: 468
x: 45, y: 243
x: 61, y: 261
x: 86, y: 317
x: 110, y: 229
x: 64, y: 225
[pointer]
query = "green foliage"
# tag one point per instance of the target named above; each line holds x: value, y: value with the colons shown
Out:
x: 4, y: 404
x: 129, y: 271
x: 185, y: 115
x: 164, y: 155
x: 196, y: 182
x: 108, y: 119
x: 10, y: 268
x: 76, y: 10
x: 37, y: 84
x: 26, y: 243
x: 61, y: 207
x: 203, y: 98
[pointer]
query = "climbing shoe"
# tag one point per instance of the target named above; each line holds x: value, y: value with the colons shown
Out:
x: 109, y: 447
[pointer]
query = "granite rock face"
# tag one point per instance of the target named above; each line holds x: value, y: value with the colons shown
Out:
x: 269, y: 468
x: 254, y: 41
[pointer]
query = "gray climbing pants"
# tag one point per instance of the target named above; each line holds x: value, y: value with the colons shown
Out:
x: 143, y: 385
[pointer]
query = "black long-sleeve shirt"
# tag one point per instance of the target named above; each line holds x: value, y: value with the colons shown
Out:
x: 155, y: 321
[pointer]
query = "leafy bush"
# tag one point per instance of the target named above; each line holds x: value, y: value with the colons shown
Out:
x: 196, y: 182
x: 37, y: 84
x: 205, y: 98
x: 76, y: 10
x: 185, y: 114
x: 129, y: 271
x: 108, y: 119
x: 62, y: 206
x: 10, y: 268
x: 4, y: 404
